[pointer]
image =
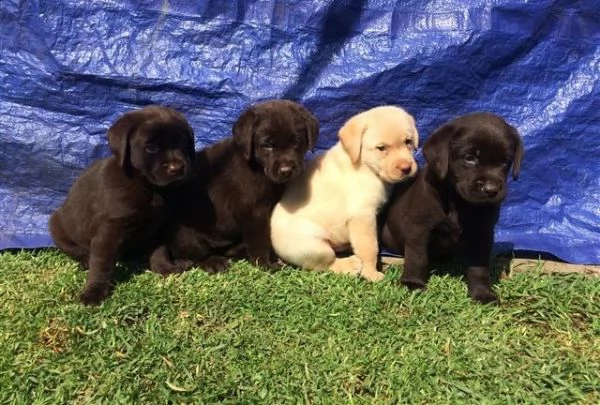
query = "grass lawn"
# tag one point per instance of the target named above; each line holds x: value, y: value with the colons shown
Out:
x: 248, y: 336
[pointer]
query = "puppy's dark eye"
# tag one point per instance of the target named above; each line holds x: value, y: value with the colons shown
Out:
x: 471, y: 160
x: 152, y: 148
x: 409, y: 143
x: 382, y: 148
x: 267, y: 145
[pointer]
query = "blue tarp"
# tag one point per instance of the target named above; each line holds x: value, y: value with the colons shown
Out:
x: 68, y: 69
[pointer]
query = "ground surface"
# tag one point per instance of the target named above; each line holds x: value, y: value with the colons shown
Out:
x: 248, y: 336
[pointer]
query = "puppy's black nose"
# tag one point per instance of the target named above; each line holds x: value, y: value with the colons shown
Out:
x: 490, y: 189
x: 174, y: 167
x: 285, y: 170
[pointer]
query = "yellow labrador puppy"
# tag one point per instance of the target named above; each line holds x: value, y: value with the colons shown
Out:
x: 333, y: 206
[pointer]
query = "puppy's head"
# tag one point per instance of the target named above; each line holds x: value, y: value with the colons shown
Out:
x: 275, y: 135
x: 155, y: 141
x: 384, y: 140
x: 474, y: 153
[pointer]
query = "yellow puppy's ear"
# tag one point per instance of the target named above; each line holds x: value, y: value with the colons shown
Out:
x: 415, y: 133
x: 351, y: 135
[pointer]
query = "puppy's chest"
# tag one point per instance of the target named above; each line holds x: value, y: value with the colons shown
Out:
x: 447, y: 232
x: 153, y: 211
x: 454, y: 227
x: 236, y: 205
x: 458, y: 226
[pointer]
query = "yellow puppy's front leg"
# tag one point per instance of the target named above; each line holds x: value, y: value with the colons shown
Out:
x: 363, y: 238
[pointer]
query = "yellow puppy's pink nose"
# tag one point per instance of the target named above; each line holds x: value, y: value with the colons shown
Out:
x: 404, y: 166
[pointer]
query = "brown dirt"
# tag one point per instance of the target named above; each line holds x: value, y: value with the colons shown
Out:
x: 519, y: 265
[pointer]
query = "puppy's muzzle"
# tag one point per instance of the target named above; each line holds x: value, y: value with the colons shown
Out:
x: 401, y: 170
x: 493, y: 190
x: 285, y: 171
x: 174, y: 168
x: 404, y: 167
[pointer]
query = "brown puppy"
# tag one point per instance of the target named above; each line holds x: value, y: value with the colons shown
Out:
x: 225, y: 212
x: 118, y: 203
x: 454, y: 202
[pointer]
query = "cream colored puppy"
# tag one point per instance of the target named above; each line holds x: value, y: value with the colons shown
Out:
x: 333, y: 206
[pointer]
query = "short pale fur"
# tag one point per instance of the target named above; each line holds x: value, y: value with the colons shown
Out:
x: 333, y: 206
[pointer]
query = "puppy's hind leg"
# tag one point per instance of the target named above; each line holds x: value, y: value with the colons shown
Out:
x: 161, y: 262
x: 305, y: 244
x: 347, y: 265
x: 193, y: 246
x: 66, y: 244
x: 312, y: 253
x: 214, y: 264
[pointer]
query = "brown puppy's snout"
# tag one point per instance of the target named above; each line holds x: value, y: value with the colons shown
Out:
x: 174, y: 167
x: 286, y: 169
x: 490, y: 188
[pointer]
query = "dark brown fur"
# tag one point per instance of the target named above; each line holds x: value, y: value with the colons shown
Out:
x: 118, y: 203
x: 453, y: 204
x: 225, y: 213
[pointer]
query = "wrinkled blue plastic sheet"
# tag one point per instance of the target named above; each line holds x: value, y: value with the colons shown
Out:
x: 68, y: 69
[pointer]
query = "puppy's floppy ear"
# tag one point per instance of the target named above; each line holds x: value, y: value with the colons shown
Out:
x: 351, y: 135
x: 437, y: 149
x: 519, y: 151
x: 312, y: 127
x: 119, y: 134
x: 191, y: 139
x: 415, y: 133
x: 243, y: 131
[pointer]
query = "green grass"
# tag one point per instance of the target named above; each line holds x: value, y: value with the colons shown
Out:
x: 248, y: 336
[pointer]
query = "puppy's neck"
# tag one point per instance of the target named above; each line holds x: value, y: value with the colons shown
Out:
x: 343, y: 159
x: 139, y: 181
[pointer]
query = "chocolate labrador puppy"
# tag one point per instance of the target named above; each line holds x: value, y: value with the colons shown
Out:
x: 453, y: 204
x: 225, y: 212
x: 117, y: 204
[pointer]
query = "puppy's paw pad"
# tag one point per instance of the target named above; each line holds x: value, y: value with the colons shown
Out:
x: 94, y: 294
x: 413, y: 283
x: 215, y: 264
x: 484, y: 296
x: 373, y: 276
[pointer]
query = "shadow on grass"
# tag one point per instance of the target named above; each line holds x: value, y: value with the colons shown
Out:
x: 126, y: 269
x: 453, y: 267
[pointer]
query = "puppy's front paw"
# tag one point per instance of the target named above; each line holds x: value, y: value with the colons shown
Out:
x: 373, y: 275
x: 483, y: 295
x: 214, y: 264
x: 413, y: 283
x: 94, y: 294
